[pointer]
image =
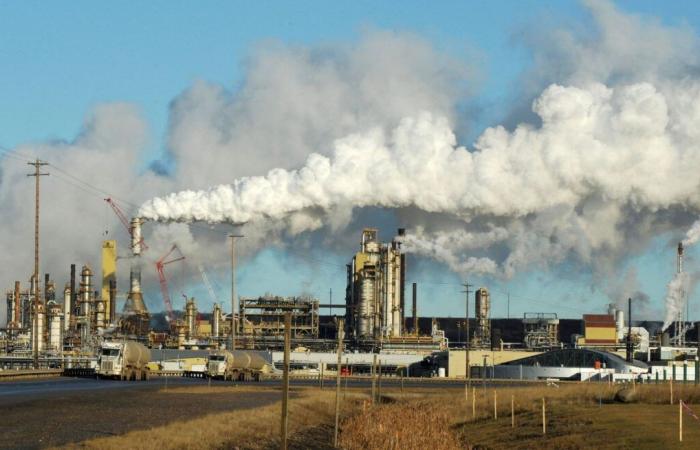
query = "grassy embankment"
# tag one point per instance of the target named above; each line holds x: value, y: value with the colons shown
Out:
x: 578, y: 416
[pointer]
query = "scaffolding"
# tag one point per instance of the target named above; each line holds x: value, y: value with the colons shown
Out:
x: 262, y: 320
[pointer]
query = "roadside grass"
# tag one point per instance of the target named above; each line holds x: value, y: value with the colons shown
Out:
x: 579, y: 415
x: 310, y: 412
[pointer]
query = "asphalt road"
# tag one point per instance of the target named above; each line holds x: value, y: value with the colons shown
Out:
x: 51, y: 412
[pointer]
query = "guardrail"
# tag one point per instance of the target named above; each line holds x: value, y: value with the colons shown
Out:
x: 19, y: 374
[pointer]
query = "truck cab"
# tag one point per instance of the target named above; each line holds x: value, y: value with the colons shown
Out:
x: 110, y: 359
x: 216, y: 365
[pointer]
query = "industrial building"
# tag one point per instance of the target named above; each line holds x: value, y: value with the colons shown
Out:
x: 375, y: 289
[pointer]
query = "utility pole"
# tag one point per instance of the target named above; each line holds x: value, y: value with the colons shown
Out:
x: 285, y: 381
x: 467, y: 291
x: 233, y: 289
x: 630, y: 347
x: 35, y: 277
x: 508, y: 311
x: 337, y: 380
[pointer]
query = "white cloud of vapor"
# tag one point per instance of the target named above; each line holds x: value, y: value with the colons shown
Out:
x: 314, y: 134
x: 292, y: 102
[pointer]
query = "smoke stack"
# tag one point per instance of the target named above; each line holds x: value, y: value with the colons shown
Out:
x: 136, y: 236
x: 112, y: 300
x: 17, y: 321
x: 46, y: 288
x: 680, y: 257
x: 415, y: 309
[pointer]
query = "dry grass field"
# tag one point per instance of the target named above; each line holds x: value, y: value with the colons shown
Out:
x: 578, y: 416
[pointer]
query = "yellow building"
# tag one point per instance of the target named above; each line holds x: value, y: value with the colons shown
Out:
x: 456, y: 363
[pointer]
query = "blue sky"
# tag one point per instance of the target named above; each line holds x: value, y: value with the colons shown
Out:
x: 60, y: 59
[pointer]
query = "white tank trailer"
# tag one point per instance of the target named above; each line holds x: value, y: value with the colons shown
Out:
x: 123, y: 360
x: 237, y: 365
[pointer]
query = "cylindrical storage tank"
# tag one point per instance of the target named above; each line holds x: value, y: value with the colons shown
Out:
x: 619, y: 321
x: 365, y: 306
x: 100, y: 316
x: 181, y: 337
x: 55, y: 333
x: 136, y: 354
x: 666, y: 339
x: 482, y: 303
x: 66, y: 307
x: 190, y: 317
x: 39, y: 327
x: 249, y: 360
x: 216, y: 321
x: 85, y: 291
x: 441, y: 372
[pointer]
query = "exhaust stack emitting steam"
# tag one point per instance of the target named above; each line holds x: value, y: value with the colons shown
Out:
x: 543, y: 193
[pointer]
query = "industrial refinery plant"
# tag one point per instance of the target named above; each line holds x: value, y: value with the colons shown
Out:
x: 71, y: 330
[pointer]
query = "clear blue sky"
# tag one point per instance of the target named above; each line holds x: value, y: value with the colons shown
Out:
x: 60, y: 59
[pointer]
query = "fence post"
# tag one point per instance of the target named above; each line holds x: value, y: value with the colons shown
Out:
x: 379, y: 383
x: 512, y: 411
x: 680, y: 420
x: 474, y: 402
x: 544, y: 417
x: 495, y: 405
x: 374, y: 379
x: 338, y: 370
x: 671, y: 386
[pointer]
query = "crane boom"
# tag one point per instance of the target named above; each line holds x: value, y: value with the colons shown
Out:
x: 205, y: 278
x: 123, y: 219
x: 160, y: 268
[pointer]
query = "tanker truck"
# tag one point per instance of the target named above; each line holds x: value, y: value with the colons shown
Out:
x: 237, y: 365
x: 123, y: 360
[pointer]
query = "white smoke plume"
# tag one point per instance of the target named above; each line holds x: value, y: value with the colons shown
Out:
x: 675, y: 298
x: 605, y: 160
x: 692, y: 235
x: 560, y: 188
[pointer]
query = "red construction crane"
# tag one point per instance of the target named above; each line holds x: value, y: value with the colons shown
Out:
x: 160, y: 265
x: 123, y: 219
